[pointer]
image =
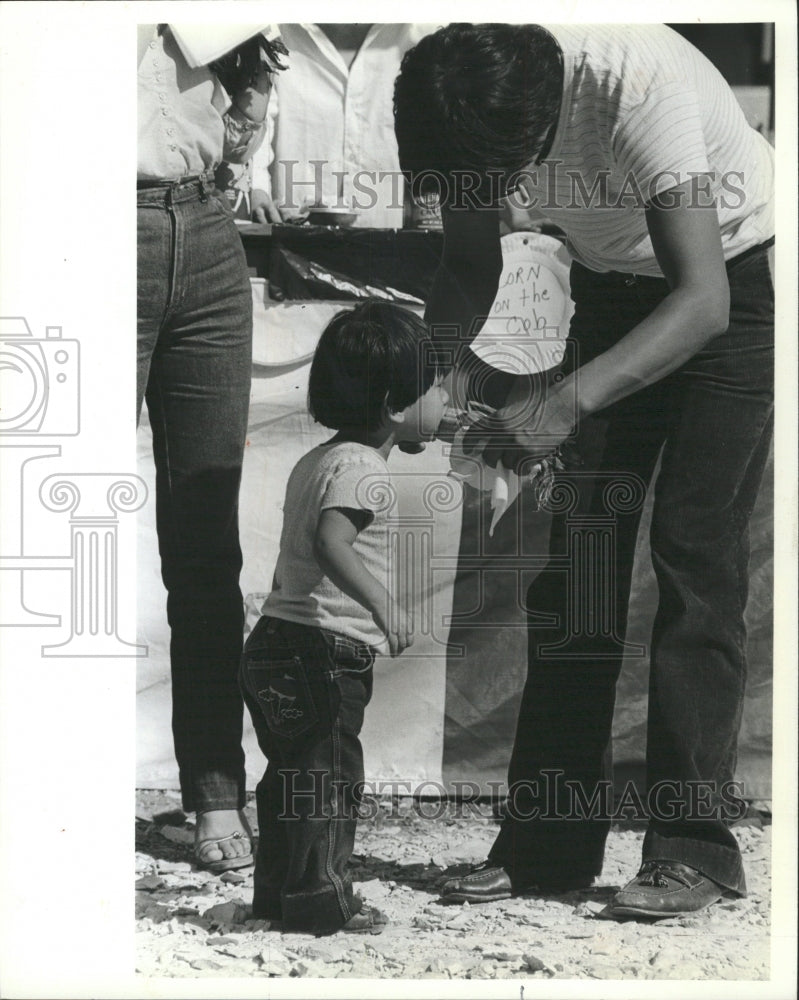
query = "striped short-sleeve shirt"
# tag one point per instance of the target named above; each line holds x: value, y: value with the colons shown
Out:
x: 642, y: 112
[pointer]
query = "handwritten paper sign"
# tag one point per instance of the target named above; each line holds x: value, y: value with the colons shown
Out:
x: 529, y: 318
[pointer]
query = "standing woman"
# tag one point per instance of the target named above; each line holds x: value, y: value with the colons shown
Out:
x: 193, y: 369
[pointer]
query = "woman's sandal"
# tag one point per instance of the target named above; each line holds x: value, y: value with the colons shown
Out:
x: 223, y: 864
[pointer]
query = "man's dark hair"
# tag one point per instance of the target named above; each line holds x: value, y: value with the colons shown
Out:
x: 477, y: 98
x: 375, y: 355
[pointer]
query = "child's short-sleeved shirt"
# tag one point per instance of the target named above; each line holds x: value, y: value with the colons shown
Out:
x: 642, y: 112
x: 345, y: 475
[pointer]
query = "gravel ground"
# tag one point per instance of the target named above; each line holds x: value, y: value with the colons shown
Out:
x: 194, y: 924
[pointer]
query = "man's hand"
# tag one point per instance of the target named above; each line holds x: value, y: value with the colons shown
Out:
x: 396, y: 625
x: 263, y: 208
x: 532, y: 424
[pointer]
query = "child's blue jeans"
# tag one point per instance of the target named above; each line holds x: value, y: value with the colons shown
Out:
x: 306, y: 689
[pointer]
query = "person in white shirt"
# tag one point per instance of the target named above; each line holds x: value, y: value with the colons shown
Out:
x: 627, y: 138
x: 332, y: 128
x: 194, y: 325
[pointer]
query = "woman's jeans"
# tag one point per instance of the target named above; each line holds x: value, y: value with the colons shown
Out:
x: 194, y: 361
x: 711, y: 423
x: 306, y: 689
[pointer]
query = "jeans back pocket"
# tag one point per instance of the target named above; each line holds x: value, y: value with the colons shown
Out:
x: 283, y: 694
x: 348, y: 655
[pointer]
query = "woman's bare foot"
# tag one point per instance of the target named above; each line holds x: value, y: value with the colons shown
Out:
x: 222, y: 835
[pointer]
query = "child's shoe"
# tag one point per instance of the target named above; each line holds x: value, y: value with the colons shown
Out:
x: 368, y: 920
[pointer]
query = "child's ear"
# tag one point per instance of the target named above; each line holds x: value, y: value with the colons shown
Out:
x: 392, y: 416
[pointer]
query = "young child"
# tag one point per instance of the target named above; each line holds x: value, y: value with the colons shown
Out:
x: 307, y: 666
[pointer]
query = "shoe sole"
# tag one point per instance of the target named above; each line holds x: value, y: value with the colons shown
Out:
x: 639, y: 911
x: 473, y: 897
x: 470, y: 897
x: 620, y: 910
x: 229, y: 865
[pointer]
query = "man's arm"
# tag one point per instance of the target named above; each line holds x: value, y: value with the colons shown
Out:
x: 245, y: 119
x: 263, y: 207
x: 687, y: 245
x: 466, y: 281
x: 464, y: 288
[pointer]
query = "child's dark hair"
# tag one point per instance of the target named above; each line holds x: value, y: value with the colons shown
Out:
x: 476, y: 98
x: 374, y: 356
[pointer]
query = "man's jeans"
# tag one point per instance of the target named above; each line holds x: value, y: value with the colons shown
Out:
x: 306, y: 689
x: 194, y: 361
x: 712, y: 421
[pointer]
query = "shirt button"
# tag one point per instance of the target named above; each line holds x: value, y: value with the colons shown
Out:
x: 162, y: 98
x: 152, y: 45
x: 164, y: 111
x: 170, y: 131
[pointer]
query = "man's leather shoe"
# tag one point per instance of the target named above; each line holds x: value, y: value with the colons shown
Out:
x: 664, y: 889
x: 483, y: 884
x: 488, y: 882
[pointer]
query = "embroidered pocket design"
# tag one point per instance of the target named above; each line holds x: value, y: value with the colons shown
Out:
x: 284, y: 695
x: 281, y: 693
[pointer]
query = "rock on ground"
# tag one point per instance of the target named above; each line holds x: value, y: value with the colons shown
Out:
x: 193, y: 924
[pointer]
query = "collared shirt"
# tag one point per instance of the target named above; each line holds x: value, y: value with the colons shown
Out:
x: 333, y: 127
x: 187, y: 123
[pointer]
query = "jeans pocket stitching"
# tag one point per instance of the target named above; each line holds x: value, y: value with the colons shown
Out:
x: 350, y: 656
x: 220, y: 202
x: 286, y: 701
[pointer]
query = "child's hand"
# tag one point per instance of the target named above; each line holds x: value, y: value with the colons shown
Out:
x: 398, y: 629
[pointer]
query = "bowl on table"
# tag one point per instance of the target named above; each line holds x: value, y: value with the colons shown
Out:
x: 322, y: 215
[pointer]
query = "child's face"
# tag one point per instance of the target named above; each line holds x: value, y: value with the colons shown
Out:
x: 423, y: 417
